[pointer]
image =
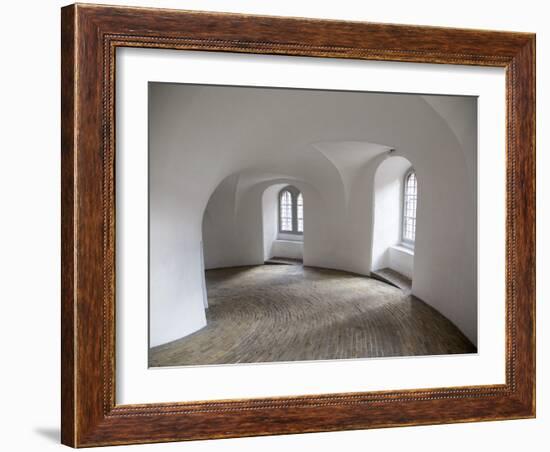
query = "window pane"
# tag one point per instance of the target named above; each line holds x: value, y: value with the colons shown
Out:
x: 409, y: 207
x: 300, y: 213
x: 286, y: 211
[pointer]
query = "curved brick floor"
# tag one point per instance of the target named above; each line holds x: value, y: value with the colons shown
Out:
x: 272, y: 313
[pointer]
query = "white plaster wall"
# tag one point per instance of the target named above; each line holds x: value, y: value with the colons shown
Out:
x: 292, y: 249
x: 232, y: 233
x: 401, y: 260
x: 460, y: 114
x: 329, y: 145
x: 291, y: 237
x: 175, y: 287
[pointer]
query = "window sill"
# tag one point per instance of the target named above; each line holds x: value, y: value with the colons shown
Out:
x: 404, y: 249
x: 290, y: 240
x: 290, y: 237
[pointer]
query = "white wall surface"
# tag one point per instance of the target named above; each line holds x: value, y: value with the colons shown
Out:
x: 177, y: 307
x: 292, y: 237
x: 33, y: 371
x: 292, y: 249
x: 401, y: 260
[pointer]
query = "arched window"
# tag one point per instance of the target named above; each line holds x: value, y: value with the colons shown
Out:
x: 291, y: 211
x: 410, y: 197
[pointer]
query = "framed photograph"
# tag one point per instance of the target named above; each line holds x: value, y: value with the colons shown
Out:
x: 282, y: 225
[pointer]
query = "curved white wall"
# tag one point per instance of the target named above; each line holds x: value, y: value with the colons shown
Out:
x: 224, y: 146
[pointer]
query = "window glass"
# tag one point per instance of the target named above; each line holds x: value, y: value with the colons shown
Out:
x: 286, y: 211
x: 300, y: 212
x: 409, y: 208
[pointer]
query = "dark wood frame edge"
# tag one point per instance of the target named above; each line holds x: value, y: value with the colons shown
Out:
x: 90, y: 35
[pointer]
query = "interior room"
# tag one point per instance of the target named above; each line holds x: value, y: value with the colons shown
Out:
x: 295, y: 225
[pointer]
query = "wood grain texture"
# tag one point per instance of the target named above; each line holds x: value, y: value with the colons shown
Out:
x: 67, y: 224
x: 90, y: 36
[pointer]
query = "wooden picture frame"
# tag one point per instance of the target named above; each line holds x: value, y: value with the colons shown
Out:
x: 90, y: 35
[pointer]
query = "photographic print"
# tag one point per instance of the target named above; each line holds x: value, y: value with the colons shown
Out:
x: 294, y: 224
